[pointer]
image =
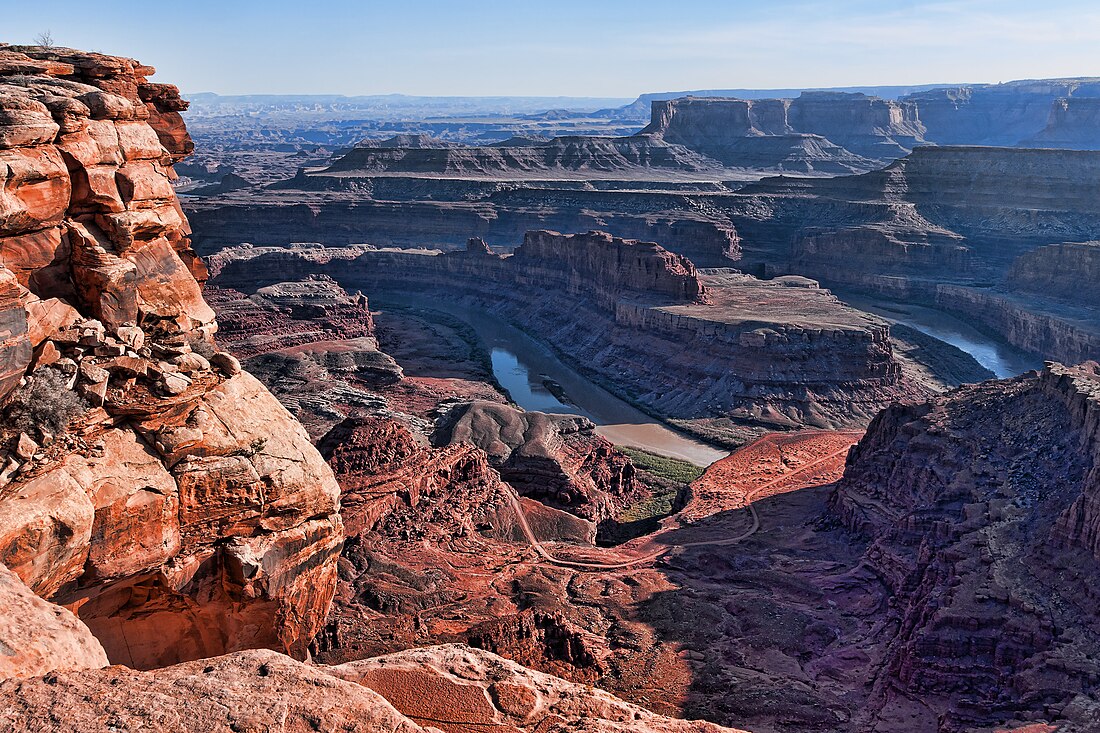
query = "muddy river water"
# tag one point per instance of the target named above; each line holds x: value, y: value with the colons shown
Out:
x: 995, y: 355
x: 537, y: 380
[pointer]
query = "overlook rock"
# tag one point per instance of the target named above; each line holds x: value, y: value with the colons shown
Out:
x: 164, y: 497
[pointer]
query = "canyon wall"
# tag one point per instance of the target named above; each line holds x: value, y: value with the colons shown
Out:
x: 682, y: 344
x: 1073, y: 123
x: 149, y: 485
x: 940, y: 212
x: 978, y: 507
x: 1069, y: 271
x: 1036, y: 325
x: 501, y: 220
x: 590, y: 156
x: 863, y: 130
x: 1013, y: 114
x: 962, y: 229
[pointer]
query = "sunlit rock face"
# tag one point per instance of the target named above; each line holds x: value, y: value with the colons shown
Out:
x: 149, y: 485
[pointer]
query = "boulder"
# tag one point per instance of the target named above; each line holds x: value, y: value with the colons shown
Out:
x: 39, y: 637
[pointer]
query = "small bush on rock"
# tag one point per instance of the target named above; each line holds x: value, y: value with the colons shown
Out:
x: 44, y: 404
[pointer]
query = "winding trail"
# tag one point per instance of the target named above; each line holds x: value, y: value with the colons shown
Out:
x: 748, y: 500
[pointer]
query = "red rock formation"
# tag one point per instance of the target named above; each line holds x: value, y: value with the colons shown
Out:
x: 38, y: 637
x: 979, y: 507
x: 391, y: 483
x: 289, y: 314
x: 449, y: 688
x: 165, y: 498
x: 87, y: 188
x: 500, y: 212
x: 254, y: 690
x: 557, y: 459
x: 459, y: 689
x: 310, y: 342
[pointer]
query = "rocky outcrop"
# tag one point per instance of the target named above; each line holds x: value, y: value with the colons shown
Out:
x: 89, y: 144
x: 312, y: 343
x: 557, y: 459
x: 290, y: 314
x: 447, y: 688
x: 149, y: 485
x: 392, y: 484
x: 39, y: 637
x: 252, y: 690
x: 459, y: 689
x: 400, y: 494
x: 979, y: 511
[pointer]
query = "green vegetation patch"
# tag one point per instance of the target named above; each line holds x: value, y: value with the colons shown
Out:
x: 664, y: 479
x: 669, y: 469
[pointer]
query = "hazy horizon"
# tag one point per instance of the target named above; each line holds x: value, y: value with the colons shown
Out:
x: 611, y: 49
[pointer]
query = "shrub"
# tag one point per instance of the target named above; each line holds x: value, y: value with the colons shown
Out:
x: 45, y: 404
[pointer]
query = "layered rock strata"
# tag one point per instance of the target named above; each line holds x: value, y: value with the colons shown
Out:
x: 996, y: 203
x: 861, y: 130
x: 588, y: 156
x: 1026, y: 113
x: 1068, y: 272
x: 954, y: 228
x: 685, y: 345
x: 979, y: 509
x: 557, y: 459
x: 419, y: 214
x: 312, y: 343
x: 149, y: 485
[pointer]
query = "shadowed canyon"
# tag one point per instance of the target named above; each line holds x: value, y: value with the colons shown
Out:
x: 715, y: 411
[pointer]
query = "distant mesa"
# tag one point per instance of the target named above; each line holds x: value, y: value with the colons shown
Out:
x: 411, y: 141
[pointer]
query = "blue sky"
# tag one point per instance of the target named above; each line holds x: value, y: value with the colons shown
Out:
x: 571, y: 47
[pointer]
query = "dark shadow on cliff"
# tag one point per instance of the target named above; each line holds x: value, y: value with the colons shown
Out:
x: 773, y: 628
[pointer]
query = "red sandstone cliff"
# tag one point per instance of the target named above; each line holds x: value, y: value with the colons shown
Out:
x: 149, y: 485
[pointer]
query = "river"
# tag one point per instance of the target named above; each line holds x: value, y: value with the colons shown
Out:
x: 538, y: 380
x: 997, y: 356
